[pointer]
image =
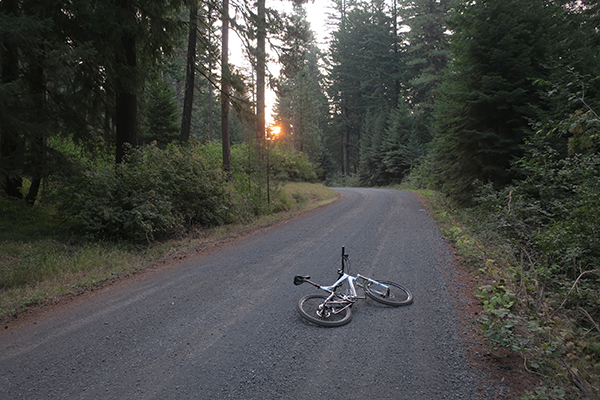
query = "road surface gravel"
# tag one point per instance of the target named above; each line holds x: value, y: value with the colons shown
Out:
x: 224, y: 325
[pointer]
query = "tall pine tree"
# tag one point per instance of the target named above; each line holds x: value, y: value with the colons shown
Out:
x: 487, y: 98
x: 302, y: 108
x: 362, y: 73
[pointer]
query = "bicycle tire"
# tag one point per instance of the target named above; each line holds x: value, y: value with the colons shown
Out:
x: 398, y: 295
x: 308, y: 307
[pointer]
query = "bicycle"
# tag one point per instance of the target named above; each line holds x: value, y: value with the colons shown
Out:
x: 334, y: 308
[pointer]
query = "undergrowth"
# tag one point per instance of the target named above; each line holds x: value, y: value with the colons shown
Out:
x: 529, y: 308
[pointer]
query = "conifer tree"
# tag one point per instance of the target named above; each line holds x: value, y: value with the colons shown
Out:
x: 33, y: 52
x: 404, y: 145
x: 426, y: 59
x: 190, y: 73
x: 74, y: 68
x: 487, y: 98
x: 362, y: 74
x: 301, y: 105
x: 225, y: 84
x: 160, y: 114
x: 426, y: 50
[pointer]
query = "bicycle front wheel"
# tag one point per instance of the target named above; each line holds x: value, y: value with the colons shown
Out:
x: 395, y: 295
x: 314, y: 308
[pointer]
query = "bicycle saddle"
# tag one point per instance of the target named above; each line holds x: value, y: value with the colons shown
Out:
x: 299, y: 280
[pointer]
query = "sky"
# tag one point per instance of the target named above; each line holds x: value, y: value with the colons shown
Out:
x: 317, y: 16
x: 317, y: 12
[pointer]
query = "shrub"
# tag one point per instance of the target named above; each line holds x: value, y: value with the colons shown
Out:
x: 552, y: 218
x: 289, y: 165
x: 555, y: 208
x: 155, y: 193
x: 339, y: 180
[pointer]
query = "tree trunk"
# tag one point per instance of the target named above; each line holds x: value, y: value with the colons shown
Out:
x: 126, y: 102
x: 210, y: 106
x: 345, y: 145
x: 396, y: 92
x: 126, y: 123
x: 210, y: 83
x: 10, y: 180
x: 39, y: 138
x: 261, y: 36
x: 186, y: 118
x: 225, y: 76
x: 39, y: 154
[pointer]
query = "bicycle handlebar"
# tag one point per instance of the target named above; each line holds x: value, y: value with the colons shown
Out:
x: 299, y: 279
x: 344, y: 259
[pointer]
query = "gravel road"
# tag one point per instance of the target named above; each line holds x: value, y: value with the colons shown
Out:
x: 224, y: 325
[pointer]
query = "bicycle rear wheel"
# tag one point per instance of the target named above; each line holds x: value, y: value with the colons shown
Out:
x: 314, y: 308
x: 395, y: 296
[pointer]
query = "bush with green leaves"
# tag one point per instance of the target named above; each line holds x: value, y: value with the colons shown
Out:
x: 290, y: 165
x: 551, y: 215
x: 155, y: 193
x: 249, y: 183
x: 161, y: 192
x: 555, y: 208
x: 498, y: 319
x: 250, y: 163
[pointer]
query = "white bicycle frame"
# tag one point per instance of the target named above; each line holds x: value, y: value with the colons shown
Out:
x: 344, y: 300
x: 353, y: 295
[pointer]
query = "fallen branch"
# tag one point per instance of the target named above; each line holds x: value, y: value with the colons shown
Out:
x: 590, y: 318
x: 573, y: 287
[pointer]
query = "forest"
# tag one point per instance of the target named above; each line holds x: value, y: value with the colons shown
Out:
x: 127, y: 120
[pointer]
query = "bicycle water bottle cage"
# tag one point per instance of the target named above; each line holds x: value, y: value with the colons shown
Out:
x: 299, y: 280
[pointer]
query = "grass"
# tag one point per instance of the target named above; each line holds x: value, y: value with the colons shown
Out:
x: 308, y: 194
x: 41, y: 262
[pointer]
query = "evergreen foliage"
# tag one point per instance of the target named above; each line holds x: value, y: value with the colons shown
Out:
x: 160, y: 114
x: 383, y: 81
x: 406, y: 145
x: 487, y: 99
x: 302, y: 106
x: 427, y: 53
x: 550, y: 218
x: 74, y: 68
x: 361, y: 59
